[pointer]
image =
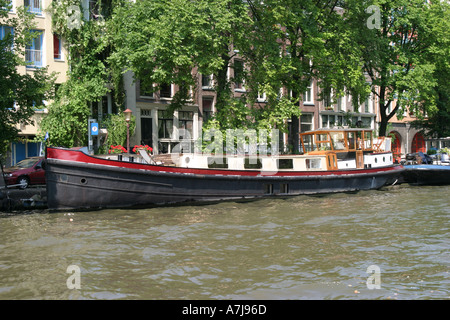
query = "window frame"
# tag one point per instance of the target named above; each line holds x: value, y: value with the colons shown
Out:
x: 32, y: 46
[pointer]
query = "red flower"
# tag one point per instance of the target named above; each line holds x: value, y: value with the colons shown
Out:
x: 117, y: 149
x: 139, y: 147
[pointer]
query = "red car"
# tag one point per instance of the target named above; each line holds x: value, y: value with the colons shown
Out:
x: 26, y: 172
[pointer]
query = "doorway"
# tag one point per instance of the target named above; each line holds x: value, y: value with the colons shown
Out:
x: 396, y: 147
x: 147, y: 131
x: 418, y: 143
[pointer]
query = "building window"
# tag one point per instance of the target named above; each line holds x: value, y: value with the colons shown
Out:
x: 146, y: 89
x: 185, y: 91
x: 6, y: 31
x: 207, y: 81
x: 9, y: 5
x: 327, y: 101
x: 57, y: 54
x: 186, y: 121
x: 366, y: 122
x: 262, y: 97
x: 339, y: 104
x: 308, y: 95
x: 33, y: 51
x: 367, y: 105
x: 207, y: 108
x: 306, y: 122
x: 165, y: 124
x: 238, y: 75
x: 326, y: 120
x: 34, y: 6
x: 165, y: 91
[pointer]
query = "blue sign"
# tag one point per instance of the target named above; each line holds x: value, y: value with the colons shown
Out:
x: 94, y: 129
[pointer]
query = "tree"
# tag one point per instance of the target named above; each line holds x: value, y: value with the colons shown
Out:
x: 302, y: 40
x: 20, y: 94
x: 436, y: 124
x: 394, y: 40
x: 89, y: 73
x: 164, y: 41
x: 281, y: 44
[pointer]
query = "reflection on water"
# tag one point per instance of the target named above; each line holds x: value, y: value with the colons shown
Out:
x: 307, y: 247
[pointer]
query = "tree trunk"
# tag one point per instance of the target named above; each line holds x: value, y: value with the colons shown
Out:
x: 222, y: 86
x: 383, y: 125
x: 294, y: 138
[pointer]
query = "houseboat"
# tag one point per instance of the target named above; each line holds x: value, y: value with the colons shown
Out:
x: 426, y: 174
x: 333, y: 160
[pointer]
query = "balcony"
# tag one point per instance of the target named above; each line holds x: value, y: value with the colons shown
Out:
x: 33, y: 58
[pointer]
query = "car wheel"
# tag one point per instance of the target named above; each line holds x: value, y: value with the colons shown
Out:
x: 23, y: 181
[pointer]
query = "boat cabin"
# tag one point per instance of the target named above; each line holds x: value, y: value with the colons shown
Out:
x: 347, y: 148
x: 323, y: 149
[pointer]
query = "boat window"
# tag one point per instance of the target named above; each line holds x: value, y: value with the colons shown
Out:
x: 285, y: 164
x: 252, y: 163
x: 351, y: 140
x: 367, y: 140
x: 338, y: 140
x: 321, y: 137
x: 323, y: 146
x: 308, y: 143
x: 313, y: 163
x: 323, y: 142
x: 217, y: 163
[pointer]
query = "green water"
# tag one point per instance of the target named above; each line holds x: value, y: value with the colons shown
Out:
x: 305, y: 247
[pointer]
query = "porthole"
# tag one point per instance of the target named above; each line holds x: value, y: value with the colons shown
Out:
x: 83, y: 180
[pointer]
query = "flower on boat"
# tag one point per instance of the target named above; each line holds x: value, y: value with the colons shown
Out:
x: 117, y: 149
x: 141, y: 147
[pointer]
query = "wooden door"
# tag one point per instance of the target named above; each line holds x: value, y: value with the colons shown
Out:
x: 418, y: 143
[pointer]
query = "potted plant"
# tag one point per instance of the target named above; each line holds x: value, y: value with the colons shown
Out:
x: 444, y: 154
x: 142, y: 147
x: 117, y: 149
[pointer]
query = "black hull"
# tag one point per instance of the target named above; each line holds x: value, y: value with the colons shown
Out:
x: 426, y: 175
x: 77, y: 185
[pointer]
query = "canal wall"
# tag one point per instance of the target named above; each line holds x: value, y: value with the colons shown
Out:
x: 19, y: 199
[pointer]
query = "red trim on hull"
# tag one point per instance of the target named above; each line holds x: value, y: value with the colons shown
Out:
x: 79, y: 156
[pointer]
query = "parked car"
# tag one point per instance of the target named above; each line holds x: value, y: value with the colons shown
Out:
x: 26, y: 172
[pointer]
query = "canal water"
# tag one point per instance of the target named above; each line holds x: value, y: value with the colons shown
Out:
x: 386, y: 244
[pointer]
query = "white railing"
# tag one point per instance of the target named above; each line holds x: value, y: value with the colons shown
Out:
x: 33, y: 57
x: 34, y: 6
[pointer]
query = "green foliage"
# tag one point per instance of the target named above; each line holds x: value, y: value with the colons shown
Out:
x: 161, y: 42
x: 406, y: 56
x: 20, y: 94
x: 88, y: 77
x: 67, y: 118
x: 117, y: 129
